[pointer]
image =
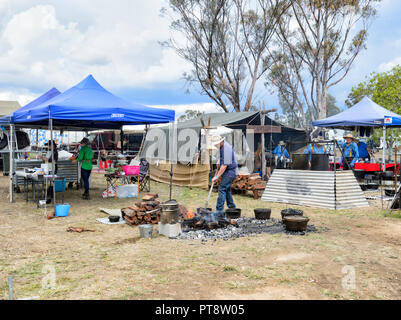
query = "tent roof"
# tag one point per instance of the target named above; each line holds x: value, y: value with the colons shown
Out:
x: 365, y: 113
x: 89, y: 105
x: 43, y: 98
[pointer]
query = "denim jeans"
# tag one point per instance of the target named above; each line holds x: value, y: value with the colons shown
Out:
x: 225, y: 194
x: 85, y: 174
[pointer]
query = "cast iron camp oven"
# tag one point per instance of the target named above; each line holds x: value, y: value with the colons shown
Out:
x: 114, y: 218
x: 300, y: 162
x: 291, y: 212
x: 262, y: 213
x: 296, y: 223
x: 203, y: 210
x: 320, y: 162
x: 233, y: 213
x: 389, y: 192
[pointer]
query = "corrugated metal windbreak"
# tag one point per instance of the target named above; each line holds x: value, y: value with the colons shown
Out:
x: 315, y: 189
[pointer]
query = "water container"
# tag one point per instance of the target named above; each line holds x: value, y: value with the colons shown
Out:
x: 60, y: 185
x: 127, y: 191
x: 146, y: 230
x: 62, y: 210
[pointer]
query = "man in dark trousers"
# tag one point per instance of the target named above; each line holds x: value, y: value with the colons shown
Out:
x: 228, y: 171
x: 85, y: 158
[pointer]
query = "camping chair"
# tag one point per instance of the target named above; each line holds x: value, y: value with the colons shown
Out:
x: 144, y: 176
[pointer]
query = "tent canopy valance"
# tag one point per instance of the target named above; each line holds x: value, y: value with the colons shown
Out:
x: 88, y: 106
x: 365, y: 113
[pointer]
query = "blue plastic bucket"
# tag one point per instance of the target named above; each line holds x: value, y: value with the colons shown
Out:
x: 62, y: 210
x: 60, y: 185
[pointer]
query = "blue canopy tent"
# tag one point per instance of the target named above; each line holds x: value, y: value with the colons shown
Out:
x: 38, y: 101
x: 89, y: 106
x: 365, y: 113
x: 85, y: 106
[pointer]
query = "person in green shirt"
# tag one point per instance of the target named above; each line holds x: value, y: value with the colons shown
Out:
x: 85, y: 158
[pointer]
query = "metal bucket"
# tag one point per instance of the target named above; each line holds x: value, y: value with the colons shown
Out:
x: 146, y: 231
x: 300, y: 162
x: 169, y: 214
x: 320, y: 162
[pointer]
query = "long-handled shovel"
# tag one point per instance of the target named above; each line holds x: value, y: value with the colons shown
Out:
x: 210, y: 193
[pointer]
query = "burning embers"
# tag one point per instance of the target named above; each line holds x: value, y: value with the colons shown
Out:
x: 205, y: 219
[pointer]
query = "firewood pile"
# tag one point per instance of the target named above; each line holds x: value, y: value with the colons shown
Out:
x: 247, y: 182
x: 146, y: 211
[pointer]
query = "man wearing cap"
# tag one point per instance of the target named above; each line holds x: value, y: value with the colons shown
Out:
x: 228, y: 170
x: 315, y: 148
x: 350, y: 150
x: 85, y: 158
x: 280, y: 153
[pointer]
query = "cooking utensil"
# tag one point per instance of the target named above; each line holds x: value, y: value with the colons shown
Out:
x: 233, y: 213
x: 210, y: 193
x: 262, y: 213
x: 296, y: 223
x: 114, y: 218
x: 291, y: 212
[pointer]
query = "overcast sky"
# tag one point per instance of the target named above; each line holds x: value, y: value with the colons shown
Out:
x: 57, y: 43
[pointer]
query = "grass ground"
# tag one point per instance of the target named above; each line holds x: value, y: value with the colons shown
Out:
x: 114, y: 263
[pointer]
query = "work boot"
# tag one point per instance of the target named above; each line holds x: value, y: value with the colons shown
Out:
x: 85, y: 196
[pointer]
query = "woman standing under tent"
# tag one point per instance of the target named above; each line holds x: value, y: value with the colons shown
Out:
x: 85, y: 158
x: 49, y: 157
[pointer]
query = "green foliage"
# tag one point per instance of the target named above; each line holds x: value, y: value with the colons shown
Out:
x: 190, y: 114
x: 384, y: 89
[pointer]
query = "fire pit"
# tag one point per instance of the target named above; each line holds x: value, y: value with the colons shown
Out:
x: 206, y: 219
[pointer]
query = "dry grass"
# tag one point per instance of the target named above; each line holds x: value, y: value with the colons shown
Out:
x: 114, y: 263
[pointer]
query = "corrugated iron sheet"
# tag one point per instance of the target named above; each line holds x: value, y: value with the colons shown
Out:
x: 315, y: 189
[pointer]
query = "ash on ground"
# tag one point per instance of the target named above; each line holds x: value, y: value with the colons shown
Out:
x: 246, y: 227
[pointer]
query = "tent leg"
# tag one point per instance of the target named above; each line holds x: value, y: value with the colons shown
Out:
x: 384, y: 149
x: 11, y: 173
x: 262, y: 123
x: 53, y: 164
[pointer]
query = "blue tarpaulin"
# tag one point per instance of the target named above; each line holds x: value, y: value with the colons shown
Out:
x: 38, y: 101
x: 89, y: 105
x: 365, y: 113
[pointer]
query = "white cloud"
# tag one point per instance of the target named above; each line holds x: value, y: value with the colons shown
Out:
x: 58, y: 44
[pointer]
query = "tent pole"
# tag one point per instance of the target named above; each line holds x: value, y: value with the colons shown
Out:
x: 262, y: 123
x: 53, y: 164
x: 11, y: 172
x: 384, y: 148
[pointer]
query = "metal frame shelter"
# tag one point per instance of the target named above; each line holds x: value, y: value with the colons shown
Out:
x: 85, y: 106
x: 365, y: 113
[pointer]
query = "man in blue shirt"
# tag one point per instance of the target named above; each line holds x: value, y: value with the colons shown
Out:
x: 280, y: 153
x: 350, y: 151
x: 315, y: 148
x: 363, y: 150
x: 228, y: 170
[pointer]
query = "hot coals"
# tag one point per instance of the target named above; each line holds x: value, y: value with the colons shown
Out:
x: 242, y: 227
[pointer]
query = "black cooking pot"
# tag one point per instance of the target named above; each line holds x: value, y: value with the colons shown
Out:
x: 300, y: 162
x: 389, y: 192
x: 291, y: 212
x: 359, y: 174
x: 262, y: 213
x: 233, y: 213
x: 320, y: 162
x: 114, y: 219
x: 387, y: 175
